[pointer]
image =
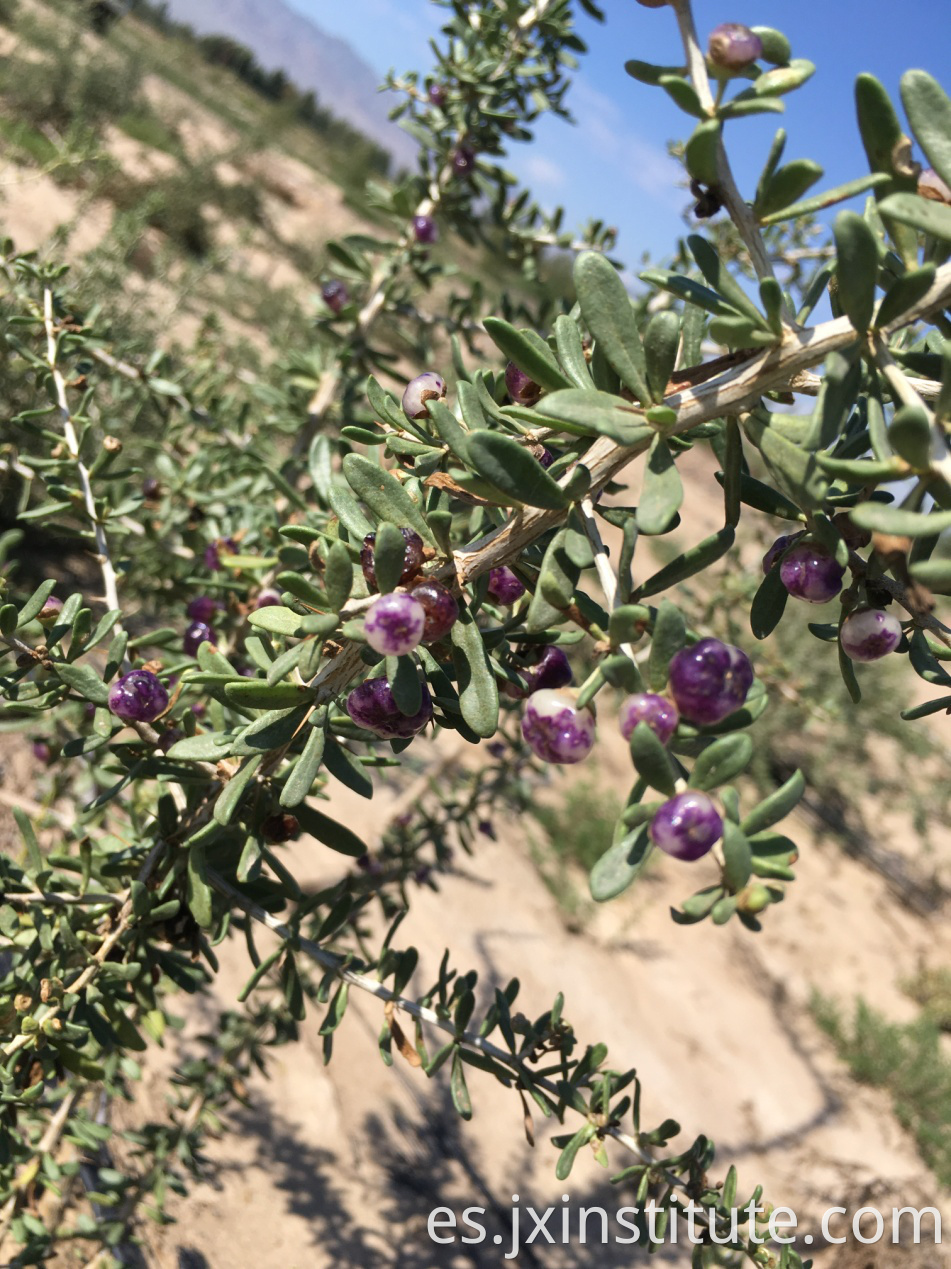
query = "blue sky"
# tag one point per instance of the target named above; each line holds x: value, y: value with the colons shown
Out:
x: 613, y: 163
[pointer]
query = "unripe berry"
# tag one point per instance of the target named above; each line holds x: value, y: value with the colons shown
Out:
x: 395, y: 625
x: 196, y: 634
x: 50, y: 611
x: 425, y: 387
x: 412, y: 557
x: 202, y: 608
x: 138, y: 697
x: 555, y: 728
x: 504, y: 586
x: 659, y: 713
x: 522, y: 389
x: 687, y: 827
x: 776, y: 550
x: 440, y: 608
x: 869, y: 634
x: 371, y: 706
x: 709, y: 681
x: 550, y: 672
x: 810, y: 573
x: 335, y: 295
x: 733, y: 46
x: 425, y: 230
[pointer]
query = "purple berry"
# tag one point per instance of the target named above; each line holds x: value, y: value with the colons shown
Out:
x: 733, y: 46
x: 51, y: 609
x: 425, y: 230
x: 776, y: 550
x: 436, y: 95
x: 504, y: 586
x: 869, y: 634
x: 440, y: 608
x: 550, y: 672
x: 267, y: 599
x: 395, y: 625
x: 335, y: 295
x: 412, y: 557
x: 202, y: 608
x: 463, y: 161
x: 657, y: 712
x: 138, y: 697
x: 42, y: 752
x: 522, y: 389
x: 425, y: 387
x: 546, y: 457
x: 371, y: 706
x: 709, y: 680
x: 196, y: 634
x: 556, y: 729
x: 930, y: 185
x: 151, y: 488
x: 810, y: 573
x: 213, y: 552
x: 687, y: 826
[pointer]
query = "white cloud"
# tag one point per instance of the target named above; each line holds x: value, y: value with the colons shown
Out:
x: 542, y: 171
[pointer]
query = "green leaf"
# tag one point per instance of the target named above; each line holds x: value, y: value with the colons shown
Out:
x: 34, y: 605
x: 384, y: 495
x: 722, y: 280
x: 606, y: 309
x: 882, y: 517
x: 389, y: 556
x: 929, y: 111
x: 448, y: 426
x: 793, y: 468
x: 777, y: 50
x: 229, y: 798
x: 702, y: 152
x: 787, y: 186
x: 690, y: 290
x: 199, y: 893
x: 691, y: 562
x: 910, y: 435
x: 903, y: 293
x: 809, y: 206
x: 920, y: 213
x: 326, y: 830
x: 300, y: 781
x: 403, y: 678
x: 935, y: 574
x: 559, y: 574
x: 568, y: 1155
x: 84, y: 680
x: 669, y: 636
x: 847, y: 670
x: 478, y: 688
x: 662, y: 491
x: 458, y: 1088
x: 347, y: 768
x: 571, y: 351
x: 764, y: 498
x: 737, y: 857
x: 277, y: 620
x: 721, y: 762
x: 775, y: 807
x: 620, y: 865
x: 651, y: 760
x: 258, y: 694
x: 648, y: 72
x: 683, y: 94
x: 857, y: 267
x: 530, y: 353
x: 338, y: 575
x: 661, y: 342
x: 210, y: 746
x: 512, y: 469
x: 769, y: 604
x: 595, y: 413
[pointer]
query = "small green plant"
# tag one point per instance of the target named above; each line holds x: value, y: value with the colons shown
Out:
x: 907, y: 1060
x: 930, y: 987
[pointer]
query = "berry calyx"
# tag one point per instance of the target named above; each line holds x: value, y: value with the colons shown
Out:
x: 425, y: 387
x: 776, y: 550
x: 371, y: 706
x: 550, y: 672
x: 868, y: 634
x: 504, y: 586
x: 395, y: 625
x: 202, y: 608
x: 425, y: 230
x: 733, y: 46
x: 659, y: 713
x: 138, y: 697
x: 412, y: 557
x: 335, y: 295
x: 555, y: 729
x: 709, y: 681
x: 809, y: 572
x: 687, y: 827
x: 521, y: 388
x: 440, y: 608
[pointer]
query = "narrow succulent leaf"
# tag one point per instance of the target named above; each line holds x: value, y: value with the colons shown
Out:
x: 511, y: 468
x: 929, y: 111
x: 606, y: 309
x: 529, y: 353
x: 662, y: 491
x: 620, y: 865
x: 384, y: 495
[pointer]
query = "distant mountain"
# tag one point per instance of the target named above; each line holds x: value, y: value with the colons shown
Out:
x: 284, y: 40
